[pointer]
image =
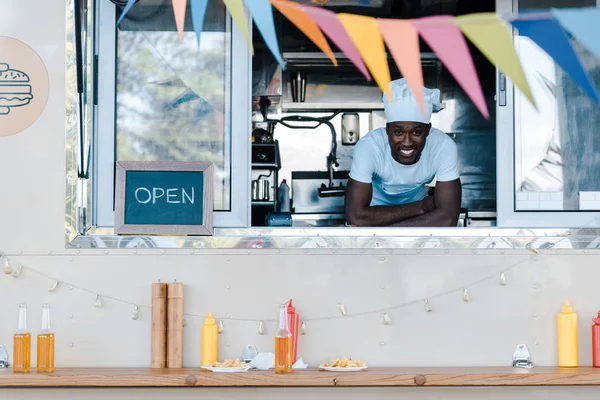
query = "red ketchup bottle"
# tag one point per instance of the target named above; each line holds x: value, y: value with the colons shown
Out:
x: 293, y: 320
x: 596, y: 341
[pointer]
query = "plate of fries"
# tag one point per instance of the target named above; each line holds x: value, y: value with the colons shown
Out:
x: 228, y: 366
x: 343, y: 365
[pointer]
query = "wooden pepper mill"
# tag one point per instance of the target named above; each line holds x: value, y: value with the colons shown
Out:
x: 175, y: 325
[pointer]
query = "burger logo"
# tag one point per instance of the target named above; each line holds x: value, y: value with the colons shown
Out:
x: 24, y: 87
x: 15, y: 90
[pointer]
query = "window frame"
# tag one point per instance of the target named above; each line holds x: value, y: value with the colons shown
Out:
x: 238, y: 116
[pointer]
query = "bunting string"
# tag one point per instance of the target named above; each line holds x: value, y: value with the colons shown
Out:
x: 361, y: 39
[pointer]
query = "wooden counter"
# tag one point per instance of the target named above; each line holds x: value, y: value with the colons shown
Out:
x: 373, y: 377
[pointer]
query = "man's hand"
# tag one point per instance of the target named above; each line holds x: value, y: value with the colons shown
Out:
x: 428, y: 204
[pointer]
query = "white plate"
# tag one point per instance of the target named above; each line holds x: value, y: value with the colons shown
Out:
x: 339, y: 369
x: 227, y: 369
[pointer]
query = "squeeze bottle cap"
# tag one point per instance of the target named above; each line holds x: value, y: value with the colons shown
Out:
x: 597, y: 319
x: 567, y: 308
x: 209, y: 320
x: 290, y: 308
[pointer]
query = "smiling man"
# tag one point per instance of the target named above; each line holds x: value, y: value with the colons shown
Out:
x: 392, y: 167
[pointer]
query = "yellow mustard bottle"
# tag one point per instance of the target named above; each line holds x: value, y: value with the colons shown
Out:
x: 210, y: 341
x: 568, y: 348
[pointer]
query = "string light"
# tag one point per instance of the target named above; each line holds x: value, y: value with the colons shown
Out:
x: 386, y: 318
x: 136, y: 313
x: 6, y: 267
x: 17, y: 272
x: 53, y: 287
x: 428, y: 307
x: 342, y: 308
x: 261, y: 328
x: 465, y: 295
x: 502, y: 279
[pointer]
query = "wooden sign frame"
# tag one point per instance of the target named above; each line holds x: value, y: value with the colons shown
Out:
x: 204, y: 229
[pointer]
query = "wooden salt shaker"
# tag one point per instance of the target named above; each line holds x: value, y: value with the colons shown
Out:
x: 175, y: 325
x: 159, y: 326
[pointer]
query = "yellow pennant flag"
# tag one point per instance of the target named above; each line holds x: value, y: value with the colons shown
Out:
x: 364, y: 32
x: 492, y: 37
x: 236, y: 9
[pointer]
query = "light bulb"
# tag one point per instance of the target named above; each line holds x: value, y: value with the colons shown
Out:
x: 261, y: 328
x: 465, y: 295
x: 428, y: 307
x: 53, y: 287
x: 136, y: 313
x: 342, y: 308
x: 386, y: 318
x: 17, y: 272
x: 220, y: 326
x: 303, y: 328
x: 98, y: 302
x: 502, y: 279
x: 6, y: 267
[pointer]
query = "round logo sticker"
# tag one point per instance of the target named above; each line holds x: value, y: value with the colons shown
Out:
x: 24, y: 86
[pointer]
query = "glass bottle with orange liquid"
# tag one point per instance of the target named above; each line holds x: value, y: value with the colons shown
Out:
x: 22, y: 343
x: 283, y: 344
x: 45, y: 343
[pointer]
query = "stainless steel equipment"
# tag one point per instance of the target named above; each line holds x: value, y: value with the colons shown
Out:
x: 350, y: 128
x: 307, y: 200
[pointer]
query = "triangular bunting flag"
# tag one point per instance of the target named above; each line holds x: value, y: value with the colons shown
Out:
x: 492, y: 37
x: 198, y: 9
x: 179, y: 7
x: 333, y: 28
x: 446, y: 40
x: 583, y: 23
x: 364, y: 32
x: 293, y: 12
x: 552, y: 38
x: 128, y: 6
x: 403, y: 41
x: 262, y: 13
x: 236, y: 9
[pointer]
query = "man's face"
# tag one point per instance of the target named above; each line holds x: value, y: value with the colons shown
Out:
x: 407, y: 140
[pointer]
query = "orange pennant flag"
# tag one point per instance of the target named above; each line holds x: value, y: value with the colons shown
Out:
x: 179, y: 7
x: 402, y: 39
x: 364, y: 32
x: 298, y: 17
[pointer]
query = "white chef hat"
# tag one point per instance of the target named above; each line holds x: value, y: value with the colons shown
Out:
x: 405, y: 106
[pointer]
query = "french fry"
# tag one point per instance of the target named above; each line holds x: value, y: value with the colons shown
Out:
x: 344, y: 362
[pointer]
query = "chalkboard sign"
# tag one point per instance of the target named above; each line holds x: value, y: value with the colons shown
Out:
x: 156, y: 197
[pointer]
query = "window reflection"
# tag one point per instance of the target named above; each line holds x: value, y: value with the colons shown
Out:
x: 557, y: 158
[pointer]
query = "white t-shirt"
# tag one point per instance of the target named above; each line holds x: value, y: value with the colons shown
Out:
x: 395, y: 183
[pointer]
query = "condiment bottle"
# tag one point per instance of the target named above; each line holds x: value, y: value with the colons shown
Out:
x: 45, y: 343
x: 567, y: 337
x: 22, y: 343
x: 210, y: 340
x: 293, y: 321
x: 596, y: 342
x: 283, y: 344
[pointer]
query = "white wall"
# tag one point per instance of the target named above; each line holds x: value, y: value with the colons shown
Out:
x: 484, y: 331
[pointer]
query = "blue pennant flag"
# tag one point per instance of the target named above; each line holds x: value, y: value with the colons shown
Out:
x: 583, y: 24
x: 262, y: 13
x: 128, y: 6
x: 198, y: 8
x: 552, y: 38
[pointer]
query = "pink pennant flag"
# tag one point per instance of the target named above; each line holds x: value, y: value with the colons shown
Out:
x: 446, y: 40
x: 333, y: 28
x: 179, y: 7
x: 402, y: 39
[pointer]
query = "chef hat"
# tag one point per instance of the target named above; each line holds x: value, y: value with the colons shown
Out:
x: 405, y: 106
